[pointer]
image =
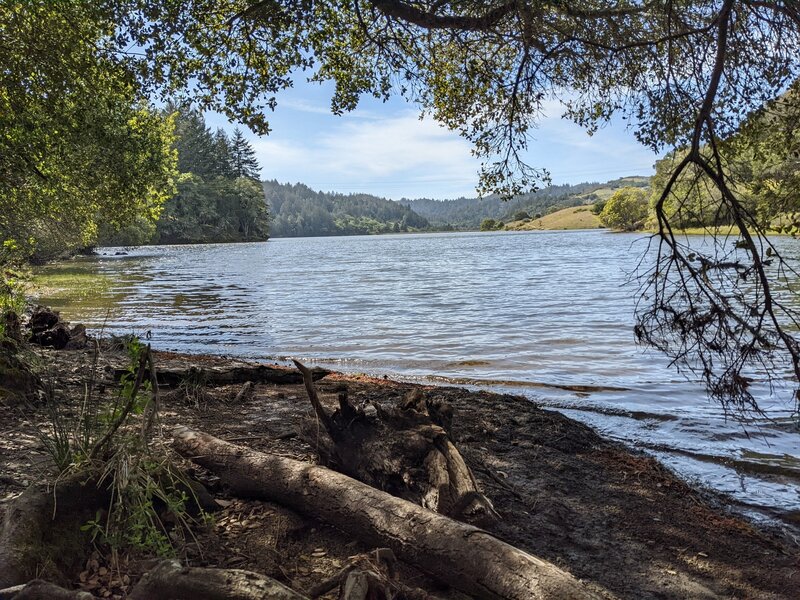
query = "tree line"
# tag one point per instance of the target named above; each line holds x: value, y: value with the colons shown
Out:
x: 299, y: 211
x: 218, y: 197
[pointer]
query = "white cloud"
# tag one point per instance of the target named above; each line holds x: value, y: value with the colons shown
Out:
x: 401, y: 155
x: 389, y: 151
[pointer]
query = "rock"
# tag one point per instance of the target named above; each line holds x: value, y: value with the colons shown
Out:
x: 47, y: 329
x: 57, y: 337
x: 42, y: 319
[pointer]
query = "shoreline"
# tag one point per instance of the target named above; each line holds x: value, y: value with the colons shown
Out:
x: 615, y: 518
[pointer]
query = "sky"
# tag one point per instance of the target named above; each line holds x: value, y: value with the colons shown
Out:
x: 386, y: 150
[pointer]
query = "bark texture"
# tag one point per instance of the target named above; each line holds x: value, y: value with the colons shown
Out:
x: 171, y: 581
x: 404, y: 450
x: 42, y: 590
x: 465, y: 557
x: 41, y: 534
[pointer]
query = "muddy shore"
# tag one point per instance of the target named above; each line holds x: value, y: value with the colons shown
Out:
x: 616, y: 519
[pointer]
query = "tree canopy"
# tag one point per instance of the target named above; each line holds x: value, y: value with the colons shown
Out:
x: 687, y: 74
x: 218, y: 197
x: 625, y: 210
x: 79, y: 145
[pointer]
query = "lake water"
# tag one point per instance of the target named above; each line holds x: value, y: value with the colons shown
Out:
x: 513, y: 312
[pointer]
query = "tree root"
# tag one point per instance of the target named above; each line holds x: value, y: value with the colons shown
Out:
x: 370, y: 575
x: 404, y: 450
x: 171, y: 581
x: 42, y: 590
x: 463, y: 556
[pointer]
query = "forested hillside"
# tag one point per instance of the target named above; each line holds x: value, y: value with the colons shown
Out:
x: 218, y: 199
x: 468, y: 213
x: 299, y: 211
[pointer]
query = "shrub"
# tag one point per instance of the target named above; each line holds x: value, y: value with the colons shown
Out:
x: 625, y: 210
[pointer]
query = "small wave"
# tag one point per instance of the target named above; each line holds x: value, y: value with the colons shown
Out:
x: 581, y: 389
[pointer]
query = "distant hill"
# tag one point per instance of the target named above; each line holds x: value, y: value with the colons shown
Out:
x: 299, y: 211
x: 467, y: 213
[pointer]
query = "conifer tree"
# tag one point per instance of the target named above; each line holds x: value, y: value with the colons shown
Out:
x: 243, y: 157
x: 223, y: 163
x: 195, y: 143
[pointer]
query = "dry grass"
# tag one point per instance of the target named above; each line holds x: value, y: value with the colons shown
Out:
x: 576, y: 217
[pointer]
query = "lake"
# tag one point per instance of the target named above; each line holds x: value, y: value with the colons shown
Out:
x: 513, y: 312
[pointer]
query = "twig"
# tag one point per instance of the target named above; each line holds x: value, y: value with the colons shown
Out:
x: 308, y: 380
x: 127, y: 408
x: 154, y: 404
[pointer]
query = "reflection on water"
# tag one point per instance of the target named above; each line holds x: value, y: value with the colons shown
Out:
x: 546, y: 314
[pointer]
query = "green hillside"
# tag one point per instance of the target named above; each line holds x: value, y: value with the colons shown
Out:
x: 467, y: 213
x: 299, y: 211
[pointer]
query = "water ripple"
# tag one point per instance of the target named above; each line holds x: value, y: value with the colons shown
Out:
x: 544, y: 314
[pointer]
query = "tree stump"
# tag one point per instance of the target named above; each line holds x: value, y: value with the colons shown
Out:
x: 41, y: 534
x: 404, y: 450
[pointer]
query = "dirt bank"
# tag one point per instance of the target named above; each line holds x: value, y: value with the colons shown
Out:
x: 614, y: 518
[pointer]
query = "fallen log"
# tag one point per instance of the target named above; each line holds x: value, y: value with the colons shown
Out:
x: 169, y: 376
x: 404, y: 450
x: 461, y: 555
x: 171, y: 581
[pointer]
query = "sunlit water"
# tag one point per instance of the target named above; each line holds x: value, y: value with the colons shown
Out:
x: 517, y: 312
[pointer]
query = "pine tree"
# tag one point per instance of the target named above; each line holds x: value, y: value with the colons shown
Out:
x: 195, y: 143
x: 243, y: 157
x: 223, y: 163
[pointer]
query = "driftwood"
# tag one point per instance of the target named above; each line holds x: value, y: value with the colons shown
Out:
x: 168, y: 376
x: 244, y: 393
x: 403, y: 450
x: 171, y: 581
x: 461, y: 555
x: 42, y: 590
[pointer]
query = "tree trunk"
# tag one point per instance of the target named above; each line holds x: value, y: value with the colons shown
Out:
x: 42, y: 590
x: 465, y: 557
x: 170, y: 581
x: 41, y: 534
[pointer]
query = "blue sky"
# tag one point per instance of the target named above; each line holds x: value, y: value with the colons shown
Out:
x: 384, y: 149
